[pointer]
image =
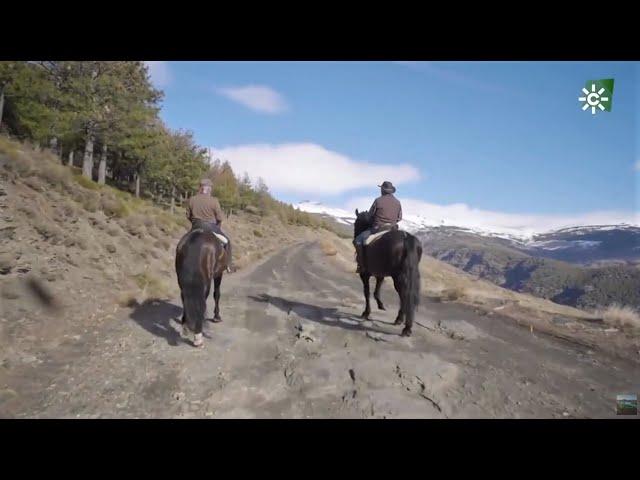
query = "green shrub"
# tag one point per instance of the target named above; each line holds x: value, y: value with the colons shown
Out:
x: 86, y: 182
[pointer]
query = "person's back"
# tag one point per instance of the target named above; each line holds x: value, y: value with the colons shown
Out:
x: 386, y: 210
x: 204, y: 212
x: 206, y: 208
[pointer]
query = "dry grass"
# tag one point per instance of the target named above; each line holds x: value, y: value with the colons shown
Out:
x: 155, y: 232
x: 90, y: 201
x: 49, y: 231
x: 114, y: 207
x: 134, y: 225
x: 162, y: 244
x: 328, y: 248
x: 27, y: 210
x: 113, y: 230
x: 54, y: 174
x: 7, y: 263
x: 151, y: 286
x: 620, y: 316
x: 68, y: 210
x: 34, y: 183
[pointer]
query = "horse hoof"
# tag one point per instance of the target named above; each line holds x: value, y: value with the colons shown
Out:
x: 216, y: 319
x: 406, y: 332
x: 197, y: 341
x: 365, y: 315
x: 399, y: 321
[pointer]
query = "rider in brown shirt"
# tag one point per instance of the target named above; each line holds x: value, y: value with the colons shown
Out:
x: 205, y: 212
x: 386, y: 212
x: 202, y: 206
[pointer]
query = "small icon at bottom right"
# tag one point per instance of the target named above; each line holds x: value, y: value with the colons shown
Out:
x: 627, y: 404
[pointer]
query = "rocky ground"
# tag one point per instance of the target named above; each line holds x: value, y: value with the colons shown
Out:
x: 292, y: 345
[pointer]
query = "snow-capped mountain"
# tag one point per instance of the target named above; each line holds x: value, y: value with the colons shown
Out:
x: 410, y: 223
x: 576, y: 244
x: 337, y: 214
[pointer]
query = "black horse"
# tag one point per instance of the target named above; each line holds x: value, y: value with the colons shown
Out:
x: 396, y: 254
x: 200, y: 257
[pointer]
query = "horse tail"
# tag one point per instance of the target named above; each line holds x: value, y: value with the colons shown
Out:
x: 193, y: 284
x: 410, y: 274
x: 195, y: 306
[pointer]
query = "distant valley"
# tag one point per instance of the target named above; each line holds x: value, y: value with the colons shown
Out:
x: 583, y: 266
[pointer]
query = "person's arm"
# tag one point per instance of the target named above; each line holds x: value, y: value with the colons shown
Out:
x: 400, y: 213
x: 374, y: 207
x: 218, y: 212
x: 188, y: 209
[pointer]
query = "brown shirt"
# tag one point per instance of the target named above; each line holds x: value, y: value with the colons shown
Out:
x: 386, y: 209
x: 204, y: 207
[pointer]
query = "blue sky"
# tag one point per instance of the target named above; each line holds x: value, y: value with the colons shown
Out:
x: 503, y: 137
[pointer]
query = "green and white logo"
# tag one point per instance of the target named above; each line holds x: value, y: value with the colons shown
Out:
x: 598, y: 95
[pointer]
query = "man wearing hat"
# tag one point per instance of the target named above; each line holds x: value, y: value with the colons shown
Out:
x: 386, y: 212
x: 204, y: 212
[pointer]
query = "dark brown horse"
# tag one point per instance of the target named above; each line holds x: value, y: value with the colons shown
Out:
x: 397, y: 255
x: 200, y: 258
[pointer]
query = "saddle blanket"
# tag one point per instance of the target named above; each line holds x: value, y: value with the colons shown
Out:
x: 372, y: 238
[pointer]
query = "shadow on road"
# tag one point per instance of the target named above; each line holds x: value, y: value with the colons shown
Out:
x: 326, y: 316
x: 155, y: 317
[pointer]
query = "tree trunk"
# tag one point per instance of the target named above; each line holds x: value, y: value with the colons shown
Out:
x: 137, y: 185
x: 87, y: 161
x: 1, y: 103
x: 70, y: 161
x: 53, y: 145
x: 173, y: 200
x: 102, y: 167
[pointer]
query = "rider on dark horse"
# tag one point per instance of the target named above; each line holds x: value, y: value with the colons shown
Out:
x: 204, y: 212
x: 386, y: 212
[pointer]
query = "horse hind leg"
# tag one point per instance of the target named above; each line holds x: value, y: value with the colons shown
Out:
x: 183, y: 320
x: 216, y: 296
x: 376, y: 293
x: 365, y: 282
x: 400, y: 318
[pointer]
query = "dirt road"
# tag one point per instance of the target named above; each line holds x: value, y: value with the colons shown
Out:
x: 292, y: 345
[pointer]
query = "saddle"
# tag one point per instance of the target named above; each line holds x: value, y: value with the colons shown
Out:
x: 204, y: 227
x: 222, y: 238
x: 375, y: 236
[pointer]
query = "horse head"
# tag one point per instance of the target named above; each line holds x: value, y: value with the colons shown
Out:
x: 363, y: 221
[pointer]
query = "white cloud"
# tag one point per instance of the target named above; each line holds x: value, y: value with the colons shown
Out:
x: 256, y: 97
x: 310, y: 169
x: 462, y: 215
x: 160, y: 73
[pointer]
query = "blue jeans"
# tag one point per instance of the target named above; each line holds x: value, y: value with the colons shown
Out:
x: 359, y: 240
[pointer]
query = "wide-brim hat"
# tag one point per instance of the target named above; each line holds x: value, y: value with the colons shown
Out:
x: 387, y: 187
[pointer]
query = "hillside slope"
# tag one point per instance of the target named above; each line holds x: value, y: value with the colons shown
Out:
x: 73, y: 253
x: 523, y: 270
